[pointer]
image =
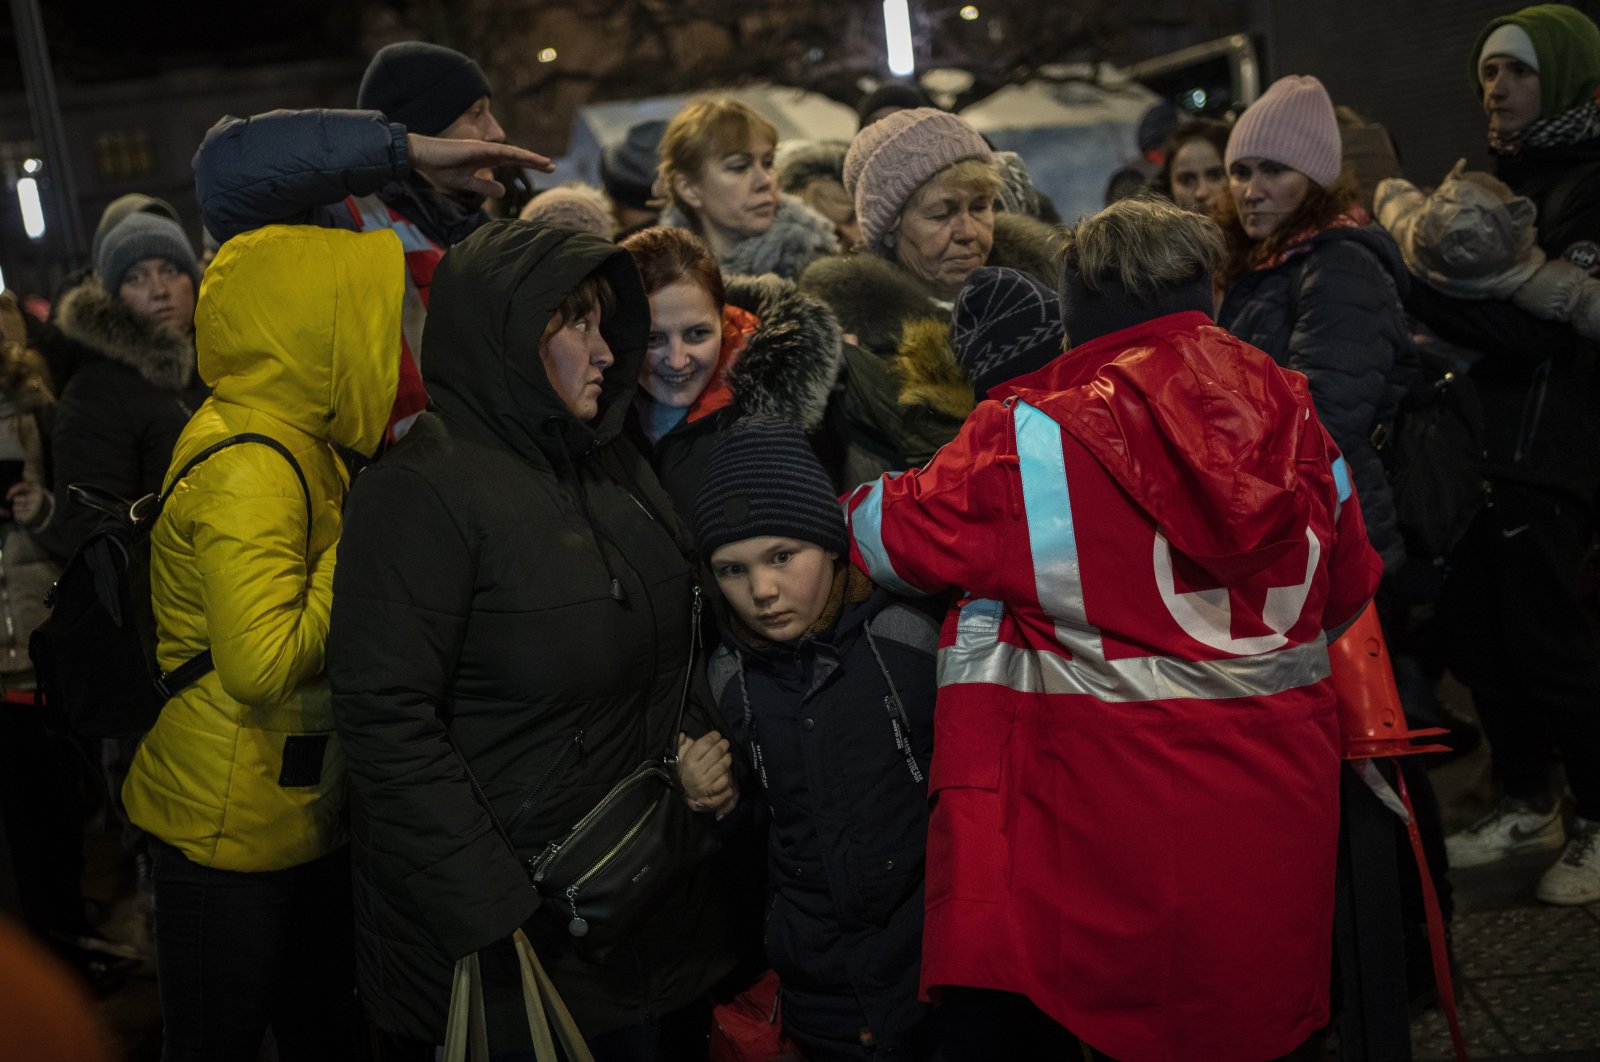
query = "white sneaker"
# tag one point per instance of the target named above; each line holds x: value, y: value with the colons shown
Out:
x: 1510, y: 828
x: 1575, y: 879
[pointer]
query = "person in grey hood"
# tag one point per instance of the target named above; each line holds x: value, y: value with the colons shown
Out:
x: 515, y: 594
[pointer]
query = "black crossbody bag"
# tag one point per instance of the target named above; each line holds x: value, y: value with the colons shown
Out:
x: 607, y: 873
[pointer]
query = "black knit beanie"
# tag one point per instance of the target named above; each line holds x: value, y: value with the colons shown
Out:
x: 764, y: 480
x: 628, y: 168
x: 422, y: 86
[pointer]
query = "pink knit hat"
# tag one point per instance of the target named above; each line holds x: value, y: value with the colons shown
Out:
x: 1292, y: 123
x: 891, y: 158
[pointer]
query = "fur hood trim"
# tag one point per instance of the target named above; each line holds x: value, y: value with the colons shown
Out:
x: 793, y: 359
x: 105, y: 324
x: 797, y: 237
x: 1027, y: 244
x: 24, y: 378
x: 928, y: 372
x: 871, y: 297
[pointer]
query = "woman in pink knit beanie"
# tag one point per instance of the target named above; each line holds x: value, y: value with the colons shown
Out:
x: 1310, y: 280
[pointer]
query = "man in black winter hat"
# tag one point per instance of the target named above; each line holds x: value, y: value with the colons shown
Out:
x: 628, y: 174
x: 416, y: 158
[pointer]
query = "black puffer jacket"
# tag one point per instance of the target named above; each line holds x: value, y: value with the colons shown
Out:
x: 849, y: 820
x: 516, y: 576
x: 120, y: 411
x: 1564, y: 183
x: 1332, y: 311
x: 787, y: 369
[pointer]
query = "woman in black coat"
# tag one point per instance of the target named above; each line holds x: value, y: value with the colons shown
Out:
x: 1313, y: 283
x: 514, y: 595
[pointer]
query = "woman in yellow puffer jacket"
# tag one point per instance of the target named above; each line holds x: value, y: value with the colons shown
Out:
x: 241, y: 780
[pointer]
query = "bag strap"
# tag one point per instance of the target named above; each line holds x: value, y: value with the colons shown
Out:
x: 466, y: 1031
x: 695, y: 614
x: 170, y: 683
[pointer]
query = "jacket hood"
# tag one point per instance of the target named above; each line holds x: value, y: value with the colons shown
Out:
x: 303, y: 323
x: 1373, y: 237
x: 491, y: 298
x: 792, y: 359
x: 1202, y: 431
x: 105, y: 324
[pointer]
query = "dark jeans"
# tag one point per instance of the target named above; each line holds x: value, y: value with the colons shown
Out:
x: 238, y: 953
x: 1516, y: 635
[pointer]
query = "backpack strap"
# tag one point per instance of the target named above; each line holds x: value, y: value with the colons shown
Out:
x: 191, y: 670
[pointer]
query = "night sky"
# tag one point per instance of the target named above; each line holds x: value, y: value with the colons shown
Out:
x: 102, y: 40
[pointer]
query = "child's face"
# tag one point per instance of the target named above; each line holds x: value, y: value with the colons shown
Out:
x: 777, y: 586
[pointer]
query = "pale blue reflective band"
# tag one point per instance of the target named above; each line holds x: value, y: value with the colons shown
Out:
x: 1341, y: 478
x: 1134, y: 679
x: 1058, y: 580
x: 866, y: 525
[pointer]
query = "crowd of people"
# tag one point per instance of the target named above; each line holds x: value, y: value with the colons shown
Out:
x: 958, y: 584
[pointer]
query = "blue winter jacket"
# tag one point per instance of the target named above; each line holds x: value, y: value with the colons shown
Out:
x: 297, y: 167
x: 840, y: 728
x: 1332, y: 310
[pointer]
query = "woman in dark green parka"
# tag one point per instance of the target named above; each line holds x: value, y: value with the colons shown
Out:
x: 512, y: 581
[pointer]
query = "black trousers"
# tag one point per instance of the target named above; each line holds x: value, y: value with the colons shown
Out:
x: 1517, y: 637
x: 982, y: 1025
x: 237, y: 953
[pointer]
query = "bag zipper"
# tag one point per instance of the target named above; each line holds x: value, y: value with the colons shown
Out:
x: 579, y: 926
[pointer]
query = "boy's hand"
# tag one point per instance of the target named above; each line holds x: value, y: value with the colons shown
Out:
x: 705, y: 769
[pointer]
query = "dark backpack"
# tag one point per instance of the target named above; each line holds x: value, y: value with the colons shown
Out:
x: 95, y: 656
x: 1433, y: 454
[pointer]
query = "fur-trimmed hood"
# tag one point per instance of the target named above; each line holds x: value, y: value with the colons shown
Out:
x: 928, y: 372
x: 24, y: 378
x: 798, y: 236
x: 874, y: 298
x: 790, y: 363
x: 103, y: 323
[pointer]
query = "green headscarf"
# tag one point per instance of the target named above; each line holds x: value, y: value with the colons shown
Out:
x: 1567, y: 43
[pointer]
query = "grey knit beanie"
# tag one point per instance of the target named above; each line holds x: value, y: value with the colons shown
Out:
x: 579, y: 207
x: 890, y: 159
x: 762, y: 480
x: 422, y: 86
x: 139, y: 236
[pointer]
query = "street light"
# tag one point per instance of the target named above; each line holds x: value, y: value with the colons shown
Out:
x: 897, y: 34
x: 32, y: 209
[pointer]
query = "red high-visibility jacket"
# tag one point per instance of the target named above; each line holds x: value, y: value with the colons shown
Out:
x: 1135, y: 771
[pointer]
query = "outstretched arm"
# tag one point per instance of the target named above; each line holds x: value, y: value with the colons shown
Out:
x: 293, y: 166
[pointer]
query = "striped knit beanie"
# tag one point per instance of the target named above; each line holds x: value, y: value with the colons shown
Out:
x: 1292, y: 123
x: 764, y: 480
x: 1005, y: 324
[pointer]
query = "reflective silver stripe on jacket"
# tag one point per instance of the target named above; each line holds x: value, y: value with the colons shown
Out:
x: 413, y: 314
x: 979, y: 655
x: 866, y: 527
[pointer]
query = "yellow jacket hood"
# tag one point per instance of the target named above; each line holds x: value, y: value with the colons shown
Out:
x: 303, y: 323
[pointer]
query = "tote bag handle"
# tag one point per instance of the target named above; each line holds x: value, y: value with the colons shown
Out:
x: 466, y: 1034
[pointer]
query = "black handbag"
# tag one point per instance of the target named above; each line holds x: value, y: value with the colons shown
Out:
x: 608, y: 872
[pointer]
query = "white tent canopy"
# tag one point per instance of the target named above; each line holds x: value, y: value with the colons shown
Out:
x: 1072, y: 134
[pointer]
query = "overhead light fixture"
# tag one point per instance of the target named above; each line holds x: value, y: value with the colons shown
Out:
x: 897, y: 33
x: 32, y: 165
x: 547, y: 55
x: 32, y: 209
x: 969, y: 13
